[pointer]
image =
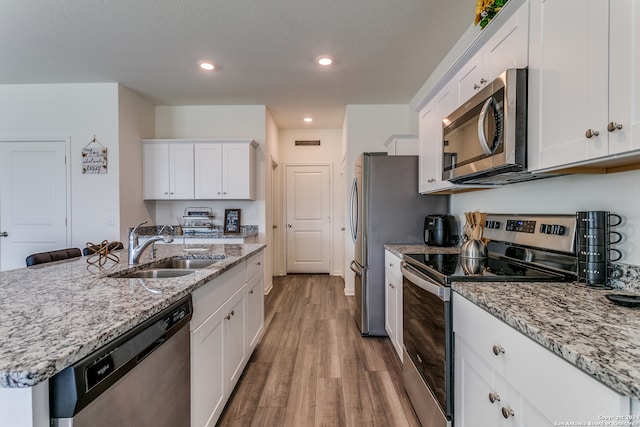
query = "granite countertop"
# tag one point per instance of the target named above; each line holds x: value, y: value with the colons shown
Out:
x: 400, y: 250
x: 52, y: 315
x: 215, y: 233
x: 575, y: 322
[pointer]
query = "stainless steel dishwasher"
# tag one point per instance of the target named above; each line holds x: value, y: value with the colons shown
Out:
x: 139, y: 379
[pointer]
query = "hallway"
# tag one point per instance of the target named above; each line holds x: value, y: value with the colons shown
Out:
x: 313, y: 367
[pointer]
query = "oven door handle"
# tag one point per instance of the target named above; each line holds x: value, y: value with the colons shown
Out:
x: 415, y: 277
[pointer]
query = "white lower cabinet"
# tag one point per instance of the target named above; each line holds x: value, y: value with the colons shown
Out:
x: 226, y: 311
x: 393, y: 300
x: 255, y: 300
x: 503, y: 378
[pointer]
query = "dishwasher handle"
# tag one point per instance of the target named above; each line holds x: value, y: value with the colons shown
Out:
x: 418, y: 279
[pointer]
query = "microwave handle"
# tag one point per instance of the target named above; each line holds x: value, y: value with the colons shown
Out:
x: 482, y: 136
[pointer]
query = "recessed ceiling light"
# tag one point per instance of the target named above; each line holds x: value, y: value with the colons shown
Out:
x: 308, y: 119
x: 325, y: 60
x: 208, y: 66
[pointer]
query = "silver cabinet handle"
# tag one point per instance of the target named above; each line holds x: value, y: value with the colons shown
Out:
x: 590, y: 133
x: 4, y: 234
x: 493, y: 397
x: 498, y: 349
x: 508, y: 412
x: 613, y: 126
x: 476, y: 86
x: 483, y: 81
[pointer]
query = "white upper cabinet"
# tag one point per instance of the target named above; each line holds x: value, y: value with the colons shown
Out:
x: 583, y: 81
x: 199, y: 169
x: 167, y: 171
x: 225, y: 170
x: 430, y: 136
x: 507, y: 48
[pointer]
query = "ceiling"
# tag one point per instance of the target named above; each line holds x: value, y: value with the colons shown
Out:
x: 265, y: 51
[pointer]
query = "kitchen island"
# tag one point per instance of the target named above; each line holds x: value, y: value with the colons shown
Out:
x: 52, y: 315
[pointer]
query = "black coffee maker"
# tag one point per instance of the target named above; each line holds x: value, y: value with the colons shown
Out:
x: 440, y: 230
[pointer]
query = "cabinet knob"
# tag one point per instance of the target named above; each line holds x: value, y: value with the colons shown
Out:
x: 233, y: 312
x: 590, y: 133
x: 251, y: 292
x: 493, y: 397
x: 431, y: 180
x: 4, y: 234
x: 483, y: 81
x: 391, y: 286
x: 613, y: 126
x: 228, y: 316
x: 507, y: 412
x: 166, y: 192
x: 498, y: 349
x: 476, y: 86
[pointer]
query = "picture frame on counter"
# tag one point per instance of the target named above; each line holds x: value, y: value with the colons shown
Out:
x: 232, y: 221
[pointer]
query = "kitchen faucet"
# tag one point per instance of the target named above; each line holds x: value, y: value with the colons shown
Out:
x: 135, y: 249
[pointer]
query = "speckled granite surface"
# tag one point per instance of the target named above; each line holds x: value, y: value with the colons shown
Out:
x: 574, y: 321
x: 400, y: 250
x: 53, y: 315
x: 216, y: 232
x: 577, y: 323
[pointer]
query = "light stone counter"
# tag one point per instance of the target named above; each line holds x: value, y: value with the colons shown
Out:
x: 54, y: 314
x: 575, y: 322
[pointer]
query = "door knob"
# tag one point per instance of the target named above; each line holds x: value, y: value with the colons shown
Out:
x: 289, y: 225
x: 4, y: 234
x: 591, y: 133
x: 613, y: 126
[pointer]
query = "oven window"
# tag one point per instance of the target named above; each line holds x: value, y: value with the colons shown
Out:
x: 424, y: 334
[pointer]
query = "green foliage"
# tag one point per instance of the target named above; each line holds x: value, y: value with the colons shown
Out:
x: 490, y: 11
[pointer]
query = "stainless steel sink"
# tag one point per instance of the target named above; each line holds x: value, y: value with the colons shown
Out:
x: 156, y: 273
x: 189, y: 263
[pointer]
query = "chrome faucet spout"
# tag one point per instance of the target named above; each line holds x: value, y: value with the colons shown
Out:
x: 136, y: 250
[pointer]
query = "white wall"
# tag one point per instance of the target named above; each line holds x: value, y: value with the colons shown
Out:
x: 222, y: 121
x: 328, y: 152
x: 365, y: 129
x: 136, y: 122
x: 77, y: 112
x: 618, y: 193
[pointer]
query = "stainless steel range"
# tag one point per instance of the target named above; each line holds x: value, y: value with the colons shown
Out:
x: 521, y: 248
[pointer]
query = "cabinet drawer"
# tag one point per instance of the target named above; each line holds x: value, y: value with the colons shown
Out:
x: 212, y: 295
x: 255, y: 264
x: 392, y: 264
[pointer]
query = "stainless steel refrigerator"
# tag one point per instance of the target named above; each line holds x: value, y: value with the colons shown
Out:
x: 386, y: 208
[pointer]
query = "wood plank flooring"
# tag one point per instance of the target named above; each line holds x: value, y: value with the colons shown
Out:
x: 312, y: 367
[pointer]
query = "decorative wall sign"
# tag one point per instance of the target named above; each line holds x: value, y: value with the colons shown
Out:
x: 94, y: 158
x: 232, y: 221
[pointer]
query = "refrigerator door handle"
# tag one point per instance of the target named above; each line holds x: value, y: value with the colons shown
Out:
x: 354, y: 267
x: 353, y: 222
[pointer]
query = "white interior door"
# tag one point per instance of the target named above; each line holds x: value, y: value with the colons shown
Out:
x: 33, y: 200
x: 308, y: 212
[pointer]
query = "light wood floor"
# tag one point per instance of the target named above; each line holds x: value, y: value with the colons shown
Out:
x: 313, y: 368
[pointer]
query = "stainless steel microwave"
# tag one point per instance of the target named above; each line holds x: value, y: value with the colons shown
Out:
x: 485, y: 140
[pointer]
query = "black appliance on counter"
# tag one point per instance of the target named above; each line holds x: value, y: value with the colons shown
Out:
x: 522, y: 248
x: 440, y: 230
